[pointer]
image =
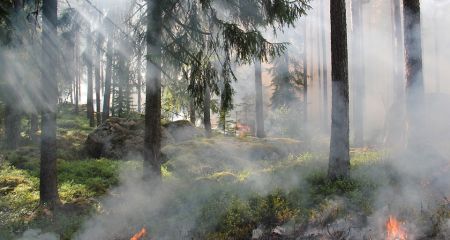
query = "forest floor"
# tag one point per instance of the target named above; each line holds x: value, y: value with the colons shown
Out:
x: 209, y: 198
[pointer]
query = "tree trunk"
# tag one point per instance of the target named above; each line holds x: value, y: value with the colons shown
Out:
x: 139, y: 82
x: 108, y: 76
x: 399, y: 85
x: 48, y: 188
x: 414, y: 74
x: 152, y: 138
x: 90, y: 91
x: 12, y: 126
x: 192, y: 110
x: 324, y: 69
x: 358, y: 73
x: 259, y: 105
x: 339, y: 161
x: 77, y: 72
x: 207, y: 109
x: 305, y: 77
x: 34, y: 127
x: 97, y: 78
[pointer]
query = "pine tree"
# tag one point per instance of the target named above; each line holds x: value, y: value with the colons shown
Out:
x: 339, y: 159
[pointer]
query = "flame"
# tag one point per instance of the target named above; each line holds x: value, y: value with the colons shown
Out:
x: 394, y: 230
x: 139, y: 235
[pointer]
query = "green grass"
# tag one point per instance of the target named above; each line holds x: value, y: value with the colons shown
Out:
x: 226, y: 199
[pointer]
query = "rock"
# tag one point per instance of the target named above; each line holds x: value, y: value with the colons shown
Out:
x: 257, y: 233
x: 278, y: 230
x: 120, y: 138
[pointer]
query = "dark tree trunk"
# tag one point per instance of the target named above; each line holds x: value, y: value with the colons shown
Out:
x: 12, y: 126
x: 259, y: 105
x: 48, y: 188
x: 108, y: 76
x: 152, y: 139
x: 339, y: 161
x: 90, y: 90
x: 192, y: 110
x: 97, y: 78
x: 207, y: 109
x: 414, y: 74
x: 358, y: 73
x: 324, y: 69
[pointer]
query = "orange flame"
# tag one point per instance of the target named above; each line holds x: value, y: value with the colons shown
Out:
x: 394, y: 230
x: 139, y: 235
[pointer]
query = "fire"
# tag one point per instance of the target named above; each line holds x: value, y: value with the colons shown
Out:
x: 139, y: 235
x: 394, y: 230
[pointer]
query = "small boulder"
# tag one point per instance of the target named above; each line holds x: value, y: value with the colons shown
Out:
x: 119, y: 138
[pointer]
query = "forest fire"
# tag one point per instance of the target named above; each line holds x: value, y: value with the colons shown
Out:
x: 139, y: 235
x: 394, y: 230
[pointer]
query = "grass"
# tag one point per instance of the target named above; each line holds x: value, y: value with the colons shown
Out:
x: 226, y: 198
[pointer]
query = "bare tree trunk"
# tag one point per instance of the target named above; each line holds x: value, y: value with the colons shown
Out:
x: 152, y: 138
x: 339, y: 161
x: 358, y: 73
x: 48, y: 188
x: 34, y: 127
x: 97, y: 78
x: 77, y: 72
x: 90, y: 91
x: 259, y: 105
x: 139, y: 82
x: 305, y: 76
x: 12, y: 126
x: 192, y: 110
x: 399, y: 85
x: 207, y: 109
x: 414, y: 74
x: 108, y: 76
x: 324, y: 68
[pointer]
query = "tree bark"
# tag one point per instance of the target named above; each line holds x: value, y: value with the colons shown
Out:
x: 90, y: 91
x: 414, y: 74
x: 207, y: 109
x: 399, y: 85
x: 339, y: 160
x: 12, y: 126
x: 192, y: 110
x: 358, y: 73
x: 324, y: 69
x: 305, y: 77
x: 139, y: 82
x: 34, y: 127
x: 152, y: 138
x: 97, y: 78
x: 48, y: 188
x: 259, y: 105
x: 108, y: 76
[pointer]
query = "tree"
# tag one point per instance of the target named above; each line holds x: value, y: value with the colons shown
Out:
x: 324, y: 67
x: 108, y: 75
x: 259, y: 106
x: 414, y: 74
x: 48, y: 189
x: 398, y: 71
x: 98, y: 56
x: 152, y: 138
x: 339, y: 159
x: 358, y: 72
x: 90, y: 84
x: 305, y: 74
